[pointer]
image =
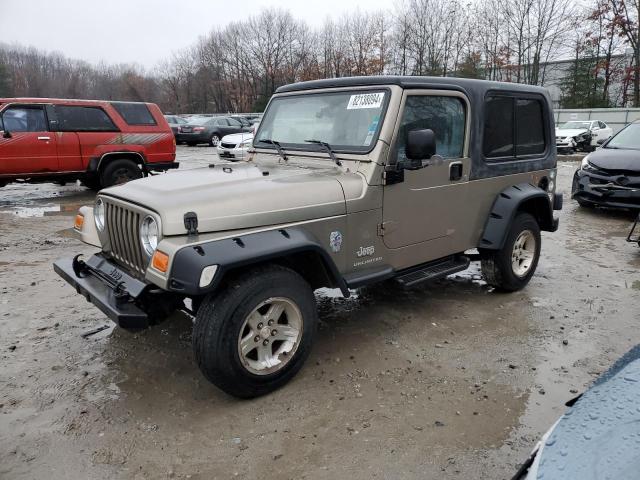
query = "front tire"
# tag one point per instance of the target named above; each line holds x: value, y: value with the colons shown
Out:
x: 214, y: 140
x: 120, y: 171
x: 254, y: 335
x: 510, y: 268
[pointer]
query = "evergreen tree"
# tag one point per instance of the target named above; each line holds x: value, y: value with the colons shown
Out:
x: 471, y: 66
x: 582, y: 87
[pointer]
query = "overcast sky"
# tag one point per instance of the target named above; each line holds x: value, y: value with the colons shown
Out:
x: 142, y: 31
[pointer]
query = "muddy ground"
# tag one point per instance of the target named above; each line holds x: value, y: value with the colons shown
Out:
x: 449, y: 380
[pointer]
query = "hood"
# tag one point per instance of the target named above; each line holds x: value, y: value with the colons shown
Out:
x: 243, y: 195
x: 570, y: 132
x: 237, y: 137
x: 615, y: 159
x: 598, y: 436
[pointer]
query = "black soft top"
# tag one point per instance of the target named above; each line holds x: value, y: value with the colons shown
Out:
x: 441, y: 83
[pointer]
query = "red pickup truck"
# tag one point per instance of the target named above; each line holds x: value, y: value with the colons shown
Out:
x: 101, y: 143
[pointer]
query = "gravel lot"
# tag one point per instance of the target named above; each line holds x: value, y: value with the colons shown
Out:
x: 448, y: 380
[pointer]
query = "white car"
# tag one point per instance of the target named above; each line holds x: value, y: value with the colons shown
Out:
x: 582, y: 135
x: 235, y: 146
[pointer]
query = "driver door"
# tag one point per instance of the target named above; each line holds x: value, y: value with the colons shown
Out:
x: 31, y: 147
x: 429, y: 205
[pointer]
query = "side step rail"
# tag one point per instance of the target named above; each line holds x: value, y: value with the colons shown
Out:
x: 433, y: 270
x: 633, y: 236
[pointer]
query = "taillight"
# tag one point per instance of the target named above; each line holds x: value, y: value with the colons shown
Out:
x: 198, y: 129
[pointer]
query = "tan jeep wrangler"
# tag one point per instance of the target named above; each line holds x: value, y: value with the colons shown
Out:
x: 352, y: 181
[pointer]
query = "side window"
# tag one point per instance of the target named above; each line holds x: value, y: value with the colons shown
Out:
x: 513, y: 127
x: 233, y: 122
x: 529, y: 127
x: 134, y: 113
x: 83, y: 119
x: 602, y: 125
x: 446, y: 116
x: 498, y: 127
x: 25, y: 119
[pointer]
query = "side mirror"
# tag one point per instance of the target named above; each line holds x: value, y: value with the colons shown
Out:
x: 5, y: 134
x: 601, y: 141
x: 421, y: 144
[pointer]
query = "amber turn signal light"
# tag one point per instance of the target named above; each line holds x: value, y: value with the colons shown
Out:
x: 78, y: 222
x: 160, y: 261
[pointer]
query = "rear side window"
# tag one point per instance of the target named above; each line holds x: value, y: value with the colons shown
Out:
x: 233, y: 122
x: 529, y: 127
x: 514, y: 127
x: 134, y: 113
x: 498, y: 127
x: 83, y: 119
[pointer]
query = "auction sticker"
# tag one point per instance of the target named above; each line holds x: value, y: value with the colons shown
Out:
x: 365, y: 100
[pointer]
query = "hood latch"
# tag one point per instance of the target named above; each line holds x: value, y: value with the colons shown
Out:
x: 191, y: 223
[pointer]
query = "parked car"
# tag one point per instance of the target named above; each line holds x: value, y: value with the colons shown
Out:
x: 353, y: 181
x: 235, y: 146
x: 581, y: 135
x: 610, y: 176
x: 598, y: 435
x: 243, y: 120
x: 175, y: 122
x: 101, y: 143
x: 209, y: 130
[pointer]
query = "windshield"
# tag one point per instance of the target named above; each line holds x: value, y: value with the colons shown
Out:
x: 347, y: 121
x: 628, y: 138
x: 574, y: 125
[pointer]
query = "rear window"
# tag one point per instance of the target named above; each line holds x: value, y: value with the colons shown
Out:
x: 134, y: 113
x: 83, y: 119
x: 513, y: 127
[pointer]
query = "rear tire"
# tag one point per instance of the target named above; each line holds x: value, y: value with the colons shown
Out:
x: 510, y: 268
x: 120, y: 171
x: 233, y: 337
x: 214, y: 140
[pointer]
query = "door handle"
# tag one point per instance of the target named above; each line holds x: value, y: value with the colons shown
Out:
x: 44, y: 138
x: 455, y: 171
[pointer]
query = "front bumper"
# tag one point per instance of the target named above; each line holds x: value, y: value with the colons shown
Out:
x: 605, y: 190
x: 108, y: 287
x: 562, y: 144
x: 236, y: 153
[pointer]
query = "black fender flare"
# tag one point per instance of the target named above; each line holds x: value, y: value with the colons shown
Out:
x: 522, y: 197
x: 95, y: 163
x: 245, y: 251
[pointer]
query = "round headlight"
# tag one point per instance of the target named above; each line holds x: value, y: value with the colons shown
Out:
x: 98, y: 214
x: 149, y: 235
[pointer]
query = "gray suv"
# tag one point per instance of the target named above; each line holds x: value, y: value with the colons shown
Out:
x: 350, y: 182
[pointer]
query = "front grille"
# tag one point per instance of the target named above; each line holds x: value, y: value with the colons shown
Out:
x: 228, y: 145
x: 123, y: 226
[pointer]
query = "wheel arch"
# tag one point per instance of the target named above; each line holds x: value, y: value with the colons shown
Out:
x: 97, y: 164
x: 291, y: 248
x: 523, y: 197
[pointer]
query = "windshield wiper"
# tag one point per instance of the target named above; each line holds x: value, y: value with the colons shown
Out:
x: 276, y: 144
x: 327, y: 148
